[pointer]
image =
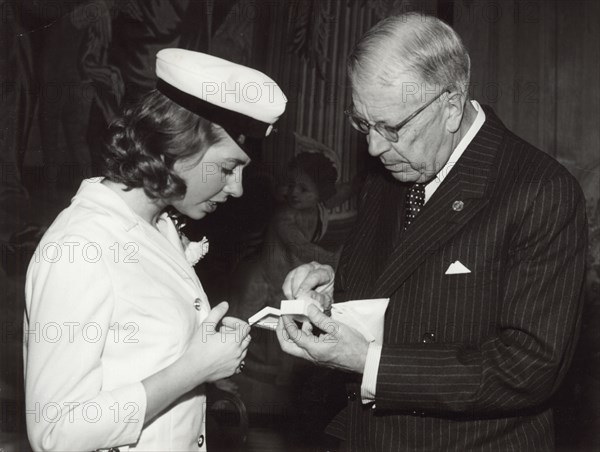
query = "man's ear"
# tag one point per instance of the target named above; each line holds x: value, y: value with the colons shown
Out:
x: 455, y: 110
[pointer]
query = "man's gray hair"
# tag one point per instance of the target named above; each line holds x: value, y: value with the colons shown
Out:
x: 411, y: 43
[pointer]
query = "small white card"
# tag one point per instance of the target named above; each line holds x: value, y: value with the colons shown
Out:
x: 298, y: 309
x: 268, y: 317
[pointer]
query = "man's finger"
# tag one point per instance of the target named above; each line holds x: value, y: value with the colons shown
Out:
x: 320, y: 276
x: 290, y: 327
x: 284, y: 339
x: 287, y: 342
x: 307, y: 328
x: 293, y: 280
x: 319, y: 319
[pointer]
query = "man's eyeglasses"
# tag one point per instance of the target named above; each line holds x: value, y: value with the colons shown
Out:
x: 390, y: 133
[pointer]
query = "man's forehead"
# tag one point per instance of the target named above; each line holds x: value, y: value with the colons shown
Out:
x: 378, y: 100
x: 373, y: 99
x: 379, y: 104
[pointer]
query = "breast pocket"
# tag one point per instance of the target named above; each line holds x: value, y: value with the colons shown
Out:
x: 459, y: 275
x: 470, y: 300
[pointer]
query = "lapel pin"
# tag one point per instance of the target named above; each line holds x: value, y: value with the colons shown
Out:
x: 457, y: 206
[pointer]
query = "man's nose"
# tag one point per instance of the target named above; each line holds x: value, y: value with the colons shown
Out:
x: 377, y: 144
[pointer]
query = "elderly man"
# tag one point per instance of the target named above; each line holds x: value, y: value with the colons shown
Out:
x: 477, y: 238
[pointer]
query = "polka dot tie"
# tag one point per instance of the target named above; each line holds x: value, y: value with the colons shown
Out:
x: 415, y: 199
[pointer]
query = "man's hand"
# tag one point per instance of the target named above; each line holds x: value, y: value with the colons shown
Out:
x: 311, y: 280
x: 341, y: 347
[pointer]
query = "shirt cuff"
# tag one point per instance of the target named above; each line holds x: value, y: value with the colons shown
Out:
x: 369, y: 380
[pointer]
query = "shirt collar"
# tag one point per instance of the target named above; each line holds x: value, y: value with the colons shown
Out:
x: 92, y: 190
x: 432, y: 186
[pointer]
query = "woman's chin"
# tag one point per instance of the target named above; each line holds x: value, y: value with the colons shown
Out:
x: 197, y: 215
x: 194, y: 214
x: 197, y: 211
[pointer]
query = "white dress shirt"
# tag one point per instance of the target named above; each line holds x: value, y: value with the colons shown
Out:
x: 369, y: 380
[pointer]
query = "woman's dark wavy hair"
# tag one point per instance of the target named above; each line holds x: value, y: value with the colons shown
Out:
x: 320, y: 169
x: 149, y: 137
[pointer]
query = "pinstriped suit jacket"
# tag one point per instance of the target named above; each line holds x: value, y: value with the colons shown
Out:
x: 469, y: 361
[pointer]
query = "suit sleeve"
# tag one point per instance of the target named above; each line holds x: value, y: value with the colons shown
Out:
x: 70, y: 304
x: 520, y: 366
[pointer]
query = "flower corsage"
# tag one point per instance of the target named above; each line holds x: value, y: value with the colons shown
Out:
x: 194, y: 251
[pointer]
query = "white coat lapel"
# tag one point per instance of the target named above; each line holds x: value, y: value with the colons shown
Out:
x: 169, y: 244
x: 166, y: 246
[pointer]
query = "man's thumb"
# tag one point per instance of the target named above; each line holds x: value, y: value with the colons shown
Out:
x: 216, y: 314
x: 316, y: 316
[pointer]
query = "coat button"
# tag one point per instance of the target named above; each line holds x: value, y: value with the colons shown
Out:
x: 428, y: 338
x: 352, y: 395
x: 198, y: 305
x: 201, y: 441
x: 457, y: 206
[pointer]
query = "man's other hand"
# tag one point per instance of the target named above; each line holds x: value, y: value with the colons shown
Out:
x: 340, y: 347
x: 311, y: 280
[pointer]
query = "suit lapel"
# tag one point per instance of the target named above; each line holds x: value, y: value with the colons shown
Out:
x: 458, y: 199
x: 392, y: 211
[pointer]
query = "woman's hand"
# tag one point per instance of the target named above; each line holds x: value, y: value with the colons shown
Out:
x: 213, y: 353
x: 216, y: 352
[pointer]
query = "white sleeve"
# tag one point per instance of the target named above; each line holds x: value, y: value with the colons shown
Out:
x: 69, y: 309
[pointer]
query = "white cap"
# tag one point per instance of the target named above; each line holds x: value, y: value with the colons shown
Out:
x: 244, y: 101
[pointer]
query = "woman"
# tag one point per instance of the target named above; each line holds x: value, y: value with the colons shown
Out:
x: 119, y: 334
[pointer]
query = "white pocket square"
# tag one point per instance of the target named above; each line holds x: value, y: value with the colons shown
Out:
x: 456, y: 268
